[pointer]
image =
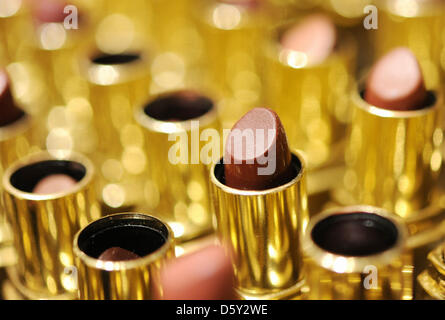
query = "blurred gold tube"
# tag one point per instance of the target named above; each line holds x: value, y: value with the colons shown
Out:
x: 263, y: 229
x: 432, y: 279
x: 117, y: 84
x: 394, y: 158
x: 176, y: 186
x: 44, y: 224
x: 16, y: 141
x: 418, y: 25
x: 231, y: 35
x: 15, y: 28
x: 122, y: 280
x: 383, y: 274
x: 311, y: 100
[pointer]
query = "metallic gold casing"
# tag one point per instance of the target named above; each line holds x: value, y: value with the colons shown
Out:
x: 340, y: 277
x: 393, y: 158
x: 263, y: 229
x: 311, y: 100
x: 176, y: 184
x: 122, y: 280
x: 14, y: 28
x: 116, y: 88
x: 16, y: 141
x: 432, y: 279
x: 232, y: 36
x: 418, y: 25
x: 44, y: 226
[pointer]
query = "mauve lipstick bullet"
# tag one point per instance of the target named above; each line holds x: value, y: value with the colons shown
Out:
x: 117, y: 254
x: 206, y: 274
x: 396, y: 82
x: 54, y: 183
x: 9, y: 112
x: 268, y: 143
x: 315, y: 36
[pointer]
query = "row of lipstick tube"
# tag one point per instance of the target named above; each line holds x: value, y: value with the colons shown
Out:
x: 132, y: 75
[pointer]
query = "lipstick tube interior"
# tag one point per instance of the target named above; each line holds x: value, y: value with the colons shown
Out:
x: 47, y: 200
x: 117, y: 84
x: 177, y: 125
x: 357, y: 252
x: 140, y: 246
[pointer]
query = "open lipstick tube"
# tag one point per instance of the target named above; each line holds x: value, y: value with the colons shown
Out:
x: 407, y: 24
x: 231, y: 35
x: 118, y: 83
x: 432, y: 279
x: 134, y: 279
x: 44, y: 224
x: 357, y: 252
x: 262, y: 228
x: 178, y: 126
x: 311, y: 99
x: 393, y: 157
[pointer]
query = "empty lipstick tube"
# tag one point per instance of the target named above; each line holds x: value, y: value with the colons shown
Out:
x: 409, y: 23
x: 262, y: 228
x: 135, y: 279
x: 357, y: 252
x: 432, y: 279
x: 311, y: 99
x: 117, y: 84
x: 393, y: 158
x: 177, y: 125
x: 44, y: 225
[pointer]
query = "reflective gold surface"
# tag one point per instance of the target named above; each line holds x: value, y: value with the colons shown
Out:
x: 263, y: 229
x: 43, y: 228
x: 418, y: 25
x: 122, y: 280
x: 179, y: 192
x: 311, y: 101
x: 115, y: 90
x: 14, y: 20
x: 432, y: 279
x: 394, y: 157
x: 334, y: 276
x: 231, y: 35
x: 16, y: 141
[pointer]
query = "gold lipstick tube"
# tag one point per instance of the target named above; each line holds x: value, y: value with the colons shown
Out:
x: 312, y: 101
x: 432, y: 279
x: 176, y: 188
x: 179, y: 15
x: 383, y: 274
x: 54, y: 51
x: 117, y: 84
x: 417, y: 25
x: 44, y: 224
x: 394, y: 158
x: 263, y: 228
x: 231, y: 35
x: 16, y: 141
x: 136, y: 279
